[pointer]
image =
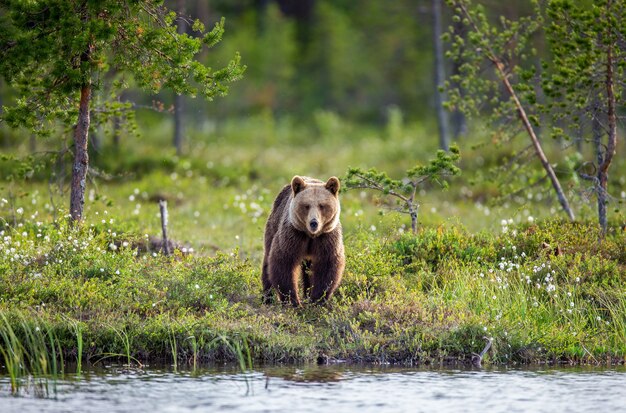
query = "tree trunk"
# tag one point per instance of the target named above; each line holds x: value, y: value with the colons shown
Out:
x: 81, y: 157
x: 604, y: 161
x: 596, y: 130
x: 178, y: 124
x: 442, y: 121
x: 178, y: 99
x: 535, y: 141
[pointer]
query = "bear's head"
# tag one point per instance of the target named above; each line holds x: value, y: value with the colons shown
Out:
x: 314, y: 207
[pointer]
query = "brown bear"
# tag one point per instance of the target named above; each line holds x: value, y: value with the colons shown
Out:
x: 303, y: 238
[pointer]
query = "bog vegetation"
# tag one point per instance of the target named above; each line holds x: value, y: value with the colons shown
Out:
x: 487, y: 258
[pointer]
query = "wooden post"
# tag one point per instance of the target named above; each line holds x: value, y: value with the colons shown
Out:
x: 165, y: 243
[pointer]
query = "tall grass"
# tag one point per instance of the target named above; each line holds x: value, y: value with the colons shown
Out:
x: 31, y: 352
x: 126, y: 342
x: 77, y: 328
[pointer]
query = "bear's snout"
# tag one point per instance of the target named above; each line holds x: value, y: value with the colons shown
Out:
x: 313, y: 224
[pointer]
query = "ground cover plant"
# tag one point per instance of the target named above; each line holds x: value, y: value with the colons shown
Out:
x: 543, y: 289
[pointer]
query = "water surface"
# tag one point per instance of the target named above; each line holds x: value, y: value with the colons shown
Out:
x: 331, y: 389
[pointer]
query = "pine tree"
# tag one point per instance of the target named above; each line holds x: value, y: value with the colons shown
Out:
x: 584, y: 80
x: 55, y: 54
x: 502, y: 46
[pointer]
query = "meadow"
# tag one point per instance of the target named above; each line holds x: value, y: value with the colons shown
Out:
x: 543, y: 289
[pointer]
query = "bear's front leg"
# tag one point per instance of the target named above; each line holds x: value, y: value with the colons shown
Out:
x: 268, y: 294
x: 326, y: 278
x: 284, y: 272
x: 327, y: 268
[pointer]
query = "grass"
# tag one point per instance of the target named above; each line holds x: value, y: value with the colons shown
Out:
x: 544, y: 289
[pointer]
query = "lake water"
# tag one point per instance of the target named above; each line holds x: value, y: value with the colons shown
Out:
x: 330, y: 389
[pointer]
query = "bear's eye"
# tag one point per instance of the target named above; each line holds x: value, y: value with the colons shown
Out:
x: 322, y: 207
x: 306, y: 206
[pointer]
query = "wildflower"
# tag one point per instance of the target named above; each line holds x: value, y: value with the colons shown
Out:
x: 19, y: 211
x: 197, y: 286
x: 571, y: 304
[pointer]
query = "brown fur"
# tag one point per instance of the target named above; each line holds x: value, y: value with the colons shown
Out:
x: 295, y: 246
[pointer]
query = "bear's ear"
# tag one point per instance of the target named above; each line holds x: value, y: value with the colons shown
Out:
x: 333, y: 185
x: 297, y: 184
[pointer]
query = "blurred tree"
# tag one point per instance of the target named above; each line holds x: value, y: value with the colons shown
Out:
x: 457, y: 118
x: 440, y: 76
x: 56, y: 52
x: 179, y: 113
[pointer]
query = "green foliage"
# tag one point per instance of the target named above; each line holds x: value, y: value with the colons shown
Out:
x: 51, y: 48
x: 481, y: 42
x: 404, y: 190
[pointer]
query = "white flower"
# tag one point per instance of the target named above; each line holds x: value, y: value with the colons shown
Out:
x: 197, y: 286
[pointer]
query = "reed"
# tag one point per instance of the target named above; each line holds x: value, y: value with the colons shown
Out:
x: 31, y: 352
x: 173, y: 347
x: 126, y: 343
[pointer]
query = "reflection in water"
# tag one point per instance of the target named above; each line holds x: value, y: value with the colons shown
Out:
x: 307, y: 374
x: 343, y: 388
